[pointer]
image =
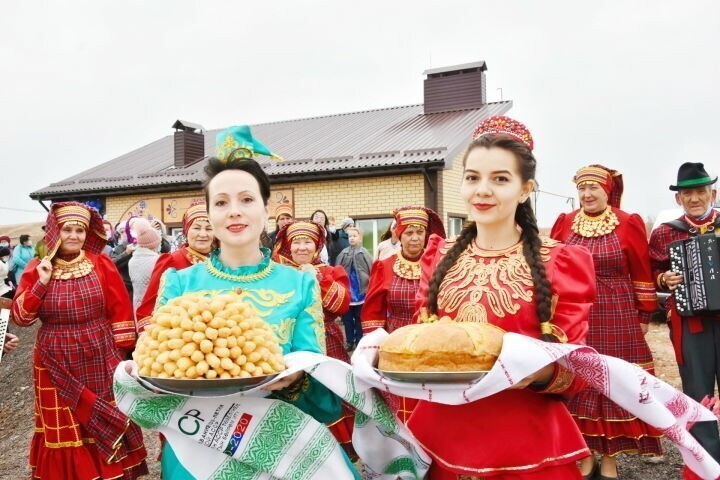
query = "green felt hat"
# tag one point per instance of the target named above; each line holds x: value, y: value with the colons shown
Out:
x: 692, y: 175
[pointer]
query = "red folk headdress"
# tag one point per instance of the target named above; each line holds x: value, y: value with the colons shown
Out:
x: 284, y: 238
x: 417, y: 215
x: 76, y: 214
x: 610, y: 180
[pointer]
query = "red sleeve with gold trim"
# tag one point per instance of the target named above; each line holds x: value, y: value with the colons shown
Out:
x: 635, y: 245
x: 561, y: 229
x: 659, y: 252
x: 29, y: 296
x: 147, y: 305
x: 374, y: 311
x: 335, y: 290
x: 572, y: 280
x: 118, y: 308
x: 429, y: 260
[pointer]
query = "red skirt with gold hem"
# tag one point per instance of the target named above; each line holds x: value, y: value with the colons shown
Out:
x: 61, y: 448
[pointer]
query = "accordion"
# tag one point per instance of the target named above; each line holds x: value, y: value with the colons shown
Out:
x: 698, y: 260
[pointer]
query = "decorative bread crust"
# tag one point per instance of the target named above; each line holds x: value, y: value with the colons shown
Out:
x: 442, y: 346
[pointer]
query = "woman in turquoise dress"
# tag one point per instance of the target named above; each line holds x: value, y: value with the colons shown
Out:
x: 237, y: 192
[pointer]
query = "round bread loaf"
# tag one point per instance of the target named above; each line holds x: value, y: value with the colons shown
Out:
x: 442, y: 346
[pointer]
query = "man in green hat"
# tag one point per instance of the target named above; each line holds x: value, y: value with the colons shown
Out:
x: 696, y: 339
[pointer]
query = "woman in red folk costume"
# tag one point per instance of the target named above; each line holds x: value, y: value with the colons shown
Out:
x: 619, y: 318
x: 299, y: 244
x: 499, y: 270
x: 394, y: 283
x: 199, y: 240
x: 86, y: 316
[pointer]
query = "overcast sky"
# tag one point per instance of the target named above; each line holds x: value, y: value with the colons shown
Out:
x: 634, y: 85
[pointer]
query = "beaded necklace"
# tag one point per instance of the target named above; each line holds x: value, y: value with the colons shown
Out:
x: 76, y: 268
x: 588, y: 226
x: 250, y: 277
x: 405, y: 268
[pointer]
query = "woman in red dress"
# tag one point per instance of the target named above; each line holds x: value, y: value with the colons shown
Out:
x: 394, y: 282
x: 199, y: 237
x: 499, y: 270
x: 619, y: 318
x: 87, y: 328
x: 299, y: 244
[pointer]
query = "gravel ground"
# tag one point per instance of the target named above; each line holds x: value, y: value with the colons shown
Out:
x: 16, y: 414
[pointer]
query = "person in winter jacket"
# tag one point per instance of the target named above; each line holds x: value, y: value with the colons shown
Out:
x: 22, y: 254
x: 142, y: 261
x: 356, y: 261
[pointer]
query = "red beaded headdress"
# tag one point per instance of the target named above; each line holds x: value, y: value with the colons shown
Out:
x: 502, y: 125
x: 284, y: 238
x: 610, y: 180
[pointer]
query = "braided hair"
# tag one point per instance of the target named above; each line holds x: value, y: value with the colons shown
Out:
x: 524, y: 217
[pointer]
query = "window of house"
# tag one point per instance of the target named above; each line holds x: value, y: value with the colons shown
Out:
x: 455, y: 225
x: 373, y: 229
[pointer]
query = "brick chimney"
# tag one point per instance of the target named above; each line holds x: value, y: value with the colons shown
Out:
x: 455, y: 88
x: 189, y: 143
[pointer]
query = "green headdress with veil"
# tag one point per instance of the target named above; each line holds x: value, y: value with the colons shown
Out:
x: 238, y: 142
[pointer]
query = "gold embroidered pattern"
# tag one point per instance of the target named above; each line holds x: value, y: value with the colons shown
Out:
x: 405, y: 268
x: 482, y: 279
x: 76, y: 268
x: 283, y: 330
x: 194, y: 257
x: 587, y: 226
x: 562, y: 381
x: 494, y: 279
x: 316, y: 313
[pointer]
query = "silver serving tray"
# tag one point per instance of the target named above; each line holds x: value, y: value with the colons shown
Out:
x: 434, y: 377
x: 204, y: 385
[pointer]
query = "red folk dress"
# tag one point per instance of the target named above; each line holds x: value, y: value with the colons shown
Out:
x: 390, y: 304
x: 514, y: 434
x: 625, y: 298
x: 181, y: 258
x: 390, y: 299
x: 86, y: 324
x: 335, y: 293
x: 334, y: 290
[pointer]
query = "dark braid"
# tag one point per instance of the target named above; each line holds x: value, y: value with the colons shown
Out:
x: 466, y: 236
x: 525, y: 217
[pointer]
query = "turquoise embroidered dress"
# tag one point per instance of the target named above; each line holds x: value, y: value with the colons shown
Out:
x: 286, y: 298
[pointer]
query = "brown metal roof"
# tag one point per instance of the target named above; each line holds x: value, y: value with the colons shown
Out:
x: 389, y: 139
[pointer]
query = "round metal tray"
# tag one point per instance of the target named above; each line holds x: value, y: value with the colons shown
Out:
x: 203, y: 385
x: 434, y: 377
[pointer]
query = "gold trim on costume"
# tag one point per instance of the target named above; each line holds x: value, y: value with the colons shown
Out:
x: 562, y: 381
x: 78, y: 267
x: 404, y: 268
x: 251, y: 277
x: 595, y: 226
x: 195, y: 257
x: 519, y: 468
x: 499, y: 279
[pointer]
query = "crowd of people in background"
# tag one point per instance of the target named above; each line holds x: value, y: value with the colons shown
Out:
x: 593, y: 281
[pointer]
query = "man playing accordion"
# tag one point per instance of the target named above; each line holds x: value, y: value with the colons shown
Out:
x: 696, y: 339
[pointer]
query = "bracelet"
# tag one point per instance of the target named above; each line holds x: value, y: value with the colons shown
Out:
x: 661, y: 280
